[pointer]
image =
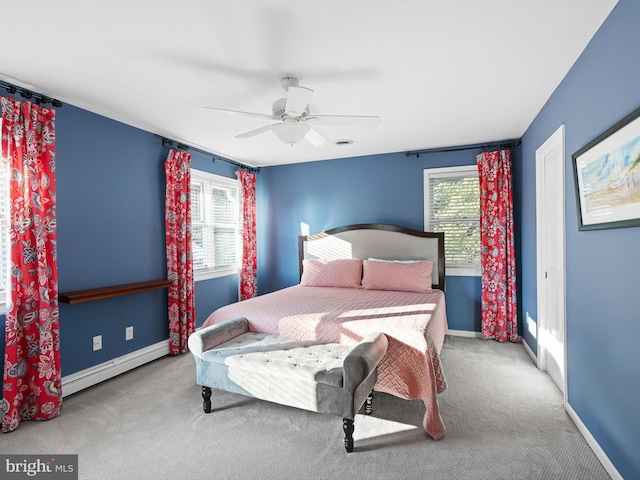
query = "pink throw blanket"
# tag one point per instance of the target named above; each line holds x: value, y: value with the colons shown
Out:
x: 415, y: 324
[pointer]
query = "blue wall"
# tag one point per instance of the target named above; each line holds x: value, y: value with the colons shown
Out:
x: 110, y: 231
x: 110, y: 191
x: 372, y: 189
x: 603, y: 323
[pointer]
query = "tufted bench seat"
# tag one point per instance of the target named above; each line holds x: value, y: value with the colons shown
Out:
x: 322, y: 377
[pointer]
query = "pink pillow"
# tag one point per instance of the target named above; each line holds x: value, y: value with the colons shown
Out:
x: 406, y: 277
x: 342, y: 273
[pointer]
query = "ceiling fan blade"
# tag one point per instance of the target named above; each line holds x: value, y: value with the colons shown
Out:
x: 238, y: 112
x: 297, y: 100
x: 346, y: 120
x: 257, y: 131
x: 315, y: 138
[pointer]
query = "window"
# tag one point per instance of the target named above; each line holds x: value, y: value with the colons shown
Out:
x: 4, y: 233
x: 215, y: 230
x: 452, y: 206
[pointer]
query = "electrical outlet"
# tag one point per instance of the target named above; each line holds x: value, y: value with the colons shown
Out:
x: 97, y: 342
x: 128, y: 335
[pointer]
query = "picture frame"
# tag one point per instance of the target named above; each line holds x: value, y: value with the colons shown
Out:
x: 607, y: 177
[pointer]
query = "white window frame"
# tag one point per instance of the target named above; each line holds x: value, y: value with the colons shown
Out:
x: 211, y: 179
x: 472, y: 270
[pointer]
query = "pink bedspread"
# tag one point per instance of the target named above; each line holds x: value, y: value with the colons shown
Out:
x: 415, y: 324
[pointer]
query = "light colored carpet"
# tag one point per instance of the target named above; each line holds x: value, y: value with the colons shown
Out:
x: 504, y: 420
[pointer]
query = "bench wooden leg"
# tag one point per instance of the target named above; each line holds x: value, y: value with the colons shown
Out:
x: 347, y: 426
x: 206, y: 396
x: 368, y: 404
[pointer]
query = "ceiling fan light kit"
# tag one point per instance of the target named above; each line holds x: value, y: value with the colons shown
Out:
x: 293, y: 115
x: 291, y: 131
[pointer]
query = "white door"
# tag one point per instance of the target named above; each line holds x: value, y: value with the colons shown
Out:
x: 551, y: 257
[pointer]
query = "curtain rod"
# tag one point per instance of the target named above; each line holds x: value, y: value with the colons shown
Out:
x: 182, y: 146
x: 504, y: 144
x: 28, y: 94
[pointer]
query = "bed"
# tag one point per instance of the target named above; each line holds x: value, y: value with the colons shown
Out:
x: 361, y: 278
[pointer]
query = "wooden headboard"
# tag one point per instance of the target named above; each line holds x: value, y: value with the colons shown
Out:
x: 387, y: 242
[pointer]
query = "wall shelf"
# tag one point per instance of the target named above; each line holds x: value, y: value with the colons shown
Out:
x: 91, y: 294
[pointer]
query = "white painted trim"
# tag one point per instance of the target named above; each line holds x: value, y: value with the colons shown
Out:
x: 214, y: 178
x: 458, y: 271
x: 464, y: 333
x: 211, y: 179
x: 530, y: 352
x: 462, y: 171
x: 597, y: 449
x: 555, y: 140
x: 91, y: 376
x: 203, y: 274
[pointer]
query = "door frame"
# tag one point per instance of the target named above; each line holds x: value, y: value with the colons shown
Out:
x: 557, y: 139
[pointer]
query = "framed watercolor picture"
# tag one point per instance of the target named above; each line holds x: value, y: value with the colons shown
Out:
x: 607, y: 175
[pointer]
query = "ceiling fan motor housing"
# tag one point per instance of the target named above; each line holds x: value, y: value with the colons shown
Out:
x: 278, y: 109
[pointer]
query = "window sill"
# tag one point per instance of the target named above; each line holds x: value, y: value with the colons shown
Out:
x: 452, y: 271
x: 208, y: 275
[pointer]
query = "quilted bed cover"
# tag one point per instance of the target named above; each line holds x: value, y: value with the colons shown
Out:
x: 414, y: 323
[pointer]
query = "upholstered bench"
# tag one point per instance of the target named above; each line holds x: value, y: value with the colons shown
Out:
x: 322, y: 377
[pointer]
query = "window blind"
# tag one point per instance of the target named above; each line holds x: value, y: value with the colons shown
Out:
x: 455, y: 210
x: 214, y: 223
x: 225, y: 221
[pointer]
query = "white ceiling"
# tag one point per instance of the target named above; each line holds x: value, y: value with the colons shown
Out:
x: 438, y: 72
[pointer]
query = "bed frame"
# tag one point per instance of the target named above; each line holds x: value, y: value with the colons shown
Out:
x: 387, y: 242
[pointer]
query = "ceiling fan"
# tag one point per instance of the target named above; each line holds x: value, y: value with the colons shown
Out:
x: 294, y: 121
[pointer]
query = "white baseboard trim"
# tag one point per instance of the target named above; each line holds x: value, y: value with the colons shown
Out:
x: 464, y: 333
x: 604, y: 460
x: 533, y: 356
x: 91, y: 376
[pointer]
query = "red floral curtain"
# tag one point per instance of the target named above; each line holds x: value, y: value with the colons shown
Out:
x: 249, y: 268
x: 497, y: 256
x: 31, y: 387
x: 182, y: 318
